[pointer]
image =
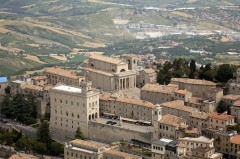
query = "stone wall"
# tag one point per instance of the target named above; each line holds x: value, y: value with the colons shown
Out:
x: 108, y: 133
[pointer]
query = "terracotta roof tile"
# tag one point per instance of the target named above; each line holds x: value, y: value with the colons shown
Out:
x: 193, y: 81
x: 86, y: 143
x: 62, y: 72
x: 172, y: 120
x: 32, y: 87
x: 181, y: 92
x: 220, y: 116
x: 237, y: 103
x: 39, y: 77
x: 158, y: 88
x: 99, y: 71
x: 194, y: 100
x: 106, y: 59
x: 179, y: 105
x: 126, y: 99
x: 231, y: 97
x: 235, y: 140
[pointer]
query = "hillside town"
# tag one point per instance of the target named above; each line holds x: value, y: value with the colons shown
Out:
x: 123, y: 113
x: 115, y: 103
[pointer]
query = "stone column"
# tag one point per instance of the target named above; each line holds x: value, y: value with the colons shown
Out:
x: 125, y: 83
x: 134, y: 82
x: 121, y: 84
x: 118, y: 87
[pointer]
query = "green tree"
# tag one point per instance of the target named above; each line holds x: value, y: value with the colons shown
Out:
x: 192, y: 68
x: 7, y: 90
x: 56, y: 148
x: 225, y: 72
x: 79, y: 134
x: 23, y: 144
x: 43, y: 133
x: 39, y: 147
x: 223, y: 107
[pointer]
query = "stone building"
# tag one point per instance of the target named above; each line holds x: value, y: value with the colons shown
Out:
x: 234, y: 85
x: 171, y: 127
x: 126, y: 107
x: 159, y: 148
x: 199, y: 88
x: 192, y: 143
x: 182, y: 95
x: 57, y: 75
x: 146, y: 76
x: 168, y: 149
x: 167, y: 126
x: 206, y: 153
x: 16, y: 86
x: 109, y: 74
x: 80, y: 149
x: 226, y: 142
x: 132, y: 61
x: 230, y: 98
x: 157, y: 94
x: 220, y: 121
x: 3, y: 84
x: 39, y: 80
x: 207, y: 106
x: 193, y: 116
x: 214, y: 94
x: 72, y: 107
x: 34, y: 90
x: 235, y: 110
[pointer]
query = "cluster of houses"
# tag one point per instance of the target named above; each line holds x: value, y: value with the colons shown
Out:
x: 178, y: 120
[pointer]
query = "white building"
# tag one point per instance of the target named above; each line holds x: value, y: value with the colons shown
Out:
x: 72, y: 107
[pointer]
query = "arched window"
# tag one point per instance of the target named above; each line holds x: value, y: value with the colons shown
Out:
x: 89, y: 117
x: 96, y: 115
x: 92, y: 65
x: 122, y: 70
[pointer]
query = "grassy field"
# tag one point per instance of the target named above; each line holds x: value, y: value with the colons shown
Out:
x: 63, y: 27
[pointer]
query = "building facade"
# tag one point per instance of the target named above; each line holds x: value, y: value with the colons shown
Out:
x: 57, y: 75
x: 109, y: 74
x: 157, y: 94
x: 126, y: 107
x: 193, y: 116
x: 146, y: 76
x: 72, y: 107
x: 199, y: 88
x: 221, y: 121
x: 234, y: 85
x: 235, y: 110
